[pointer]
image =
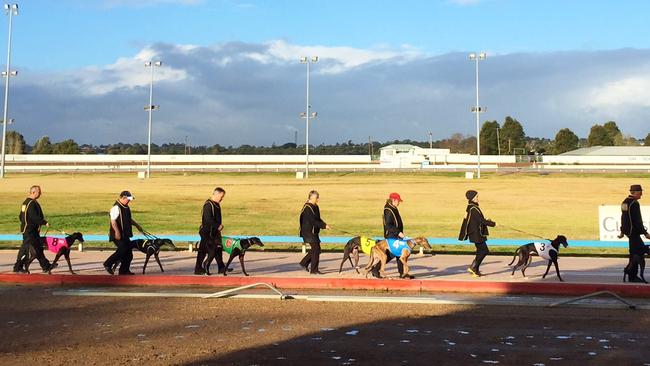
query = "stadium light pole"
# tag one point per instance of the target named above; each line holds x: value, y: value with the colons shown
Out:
x: 150, y: 108
x: 11, y: 10
x: 478, y: 110
x: 307, y: 114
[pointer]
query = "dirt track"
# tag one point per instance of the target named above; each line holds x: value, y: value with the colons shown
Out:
x: 39, y: 328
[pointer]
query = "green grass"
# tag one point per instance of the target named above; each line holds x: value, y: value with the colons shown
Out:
x: 269, y: 203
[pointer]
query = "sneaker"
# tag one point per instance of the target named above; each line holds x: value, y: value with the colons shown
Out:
x: 109, y: 269
x: 475, y: 273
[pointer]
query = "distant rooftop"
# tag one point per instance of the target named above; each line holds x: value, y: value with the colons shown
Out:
x: 401, y: 147
x: 611, y: 151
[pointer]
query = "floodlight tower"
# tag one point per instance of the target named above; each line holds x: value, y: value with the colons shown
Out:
x: 150, y: 108
x: 307, y: 114
x: 478, y: 110
x: 10, y: 10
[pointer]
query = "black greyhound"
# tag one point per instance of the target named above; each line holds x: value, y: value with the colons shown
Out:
x: 637, y: 259
x: 544, y: 250
x: 239, y: 250
x: 61, y: 249
x: 351, y: 250
x: 149, y: 247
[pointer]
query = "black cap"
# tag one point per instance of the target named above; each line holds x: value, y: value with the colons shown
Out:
x: 470, y: 194
x: 636, y: 188
x: 128, y: 195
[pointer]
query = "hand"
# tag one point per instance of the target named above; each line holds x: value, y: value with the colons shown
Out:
x: 621, y: 235
x: 47, y: 224
x: 220, y: 228
x: 647, y: 236
x: 401, y: 235
x: 327, y: 227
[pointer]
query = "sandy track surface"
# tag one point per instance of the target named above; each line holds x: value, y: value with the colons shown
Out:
x: 39, y: 328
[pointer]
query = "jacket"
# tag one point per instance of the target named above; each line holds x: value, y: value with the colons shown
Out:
x: 31, y: 217
x: 631, y: 221
x: 210, y: 219
x: 392, y: 221
x: 475, y: 226
x: 311, y: 223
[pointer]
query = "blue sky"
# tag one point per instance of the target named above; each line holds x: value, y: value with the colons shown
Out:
x: 79, y: 59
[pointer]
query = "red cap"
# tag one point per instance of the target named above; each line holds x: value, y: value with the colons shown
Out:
x: 395, y: 196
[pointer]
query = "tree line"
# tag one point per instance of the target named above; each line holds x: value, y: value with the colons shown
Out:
x: 507, y: 138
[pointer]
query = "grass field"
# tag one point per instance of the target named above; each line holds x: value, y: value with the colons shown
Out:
x: 269, y: 203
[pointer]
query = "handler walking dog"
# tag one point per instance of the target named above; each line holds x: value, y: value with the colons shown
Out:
x: 393, y: 229
x: 475, y: 227
x: 210, y: 232
x: 31, y: 220
x: 632, y: 227
x: 120, y: 233
x: 310, y: 227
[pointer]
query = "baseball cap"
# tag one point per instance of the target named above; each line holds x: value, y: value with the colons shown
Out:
x: 128, y: 195
x: 395, y: 196
x: 636, y: 188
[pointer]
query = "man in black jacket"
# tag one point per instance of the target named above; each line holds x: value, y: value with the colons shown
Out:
x: 632, y: 227
x: 475, y: 227
x: 310, y: 226
x: 120, y: 233
x: 31, y: 220
x: 393, y: 229
x: 210, y: 231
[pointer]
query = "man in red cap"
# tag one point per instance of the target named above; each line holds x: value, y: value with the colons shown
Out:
x: 393, y: 229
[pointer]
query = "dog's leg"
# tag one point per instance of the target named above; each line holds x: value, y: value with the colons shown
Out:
x: 557, y: 269
x: 155, y: 255
x: 355, y: 255
x: 383, y: 258
x: 241, y: 261
x: 146, y: 261
x: 548, y: 267
x: 346, y: 256
x: 527, y: 263
x: 66, y: 255
x: 232, y: 256
x: 642, y: 269
x: 31, y: 255
x: 404, y: 259
x: 56, y: 259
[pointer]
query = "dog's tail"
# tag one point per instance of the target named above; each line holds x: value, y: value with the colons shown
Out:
x: 515, y: 256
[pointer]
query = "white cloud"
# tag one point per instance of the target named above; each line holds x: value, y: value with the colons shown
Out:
x: 633, y: 91
x: 126, y: 73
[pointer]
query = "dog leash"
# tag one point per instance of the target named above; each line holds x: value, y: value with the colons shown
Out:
x: 524, y: 232
x: 62, y: 232
x: 344, y: 232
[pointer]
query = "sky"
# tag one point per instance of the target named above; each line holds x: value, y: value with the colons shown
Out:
x: 387, y: 69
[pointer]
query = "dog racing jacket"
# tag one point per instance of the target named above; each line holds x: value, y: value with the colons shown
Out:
x: 367, y: 244
x: 396, y: 246
x: 230, y: 244
x: 55, y: 244
x: 544, y: 250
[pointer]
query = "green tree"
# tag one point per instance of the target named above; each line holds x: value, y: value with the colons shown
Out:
x: 15, y: 143
x: 489, y: 143
x: 68, y: 146
x: 598, y: 136
x: 647, y: 140
x: 565, y: 140
x: 42, y: 146
x: 512, y: 135
x: 613, y: 132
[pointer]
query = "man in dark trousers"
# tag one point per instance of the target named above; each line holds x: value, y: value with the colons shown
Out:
x: 310, y: 226
x: 632, y: 227
x: 475, y: 227
x: 120, y: 233
x: 393, y: 229
x: 210, y: 231
x: 31, y: 220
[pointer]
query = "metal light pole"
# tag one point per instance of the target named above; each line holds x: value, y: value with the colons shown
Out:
x: 307, y: 114
x: 478, y: 109
x: 150, y: 108
x: 11, y: 10
x: 498, y: 142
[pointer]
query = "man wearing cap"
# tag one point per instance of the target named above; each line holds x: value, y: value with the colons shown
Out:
x: 632, y: 227
x: 393, y: 229
x: 31, y: 219
x: 310, y: 227
x: 120, y: 233
x: 210, y: 232
x: 475, y: 227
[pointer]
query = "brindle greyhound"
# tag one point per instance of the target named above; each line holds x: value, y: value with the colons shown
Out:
x: 378, y: 254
